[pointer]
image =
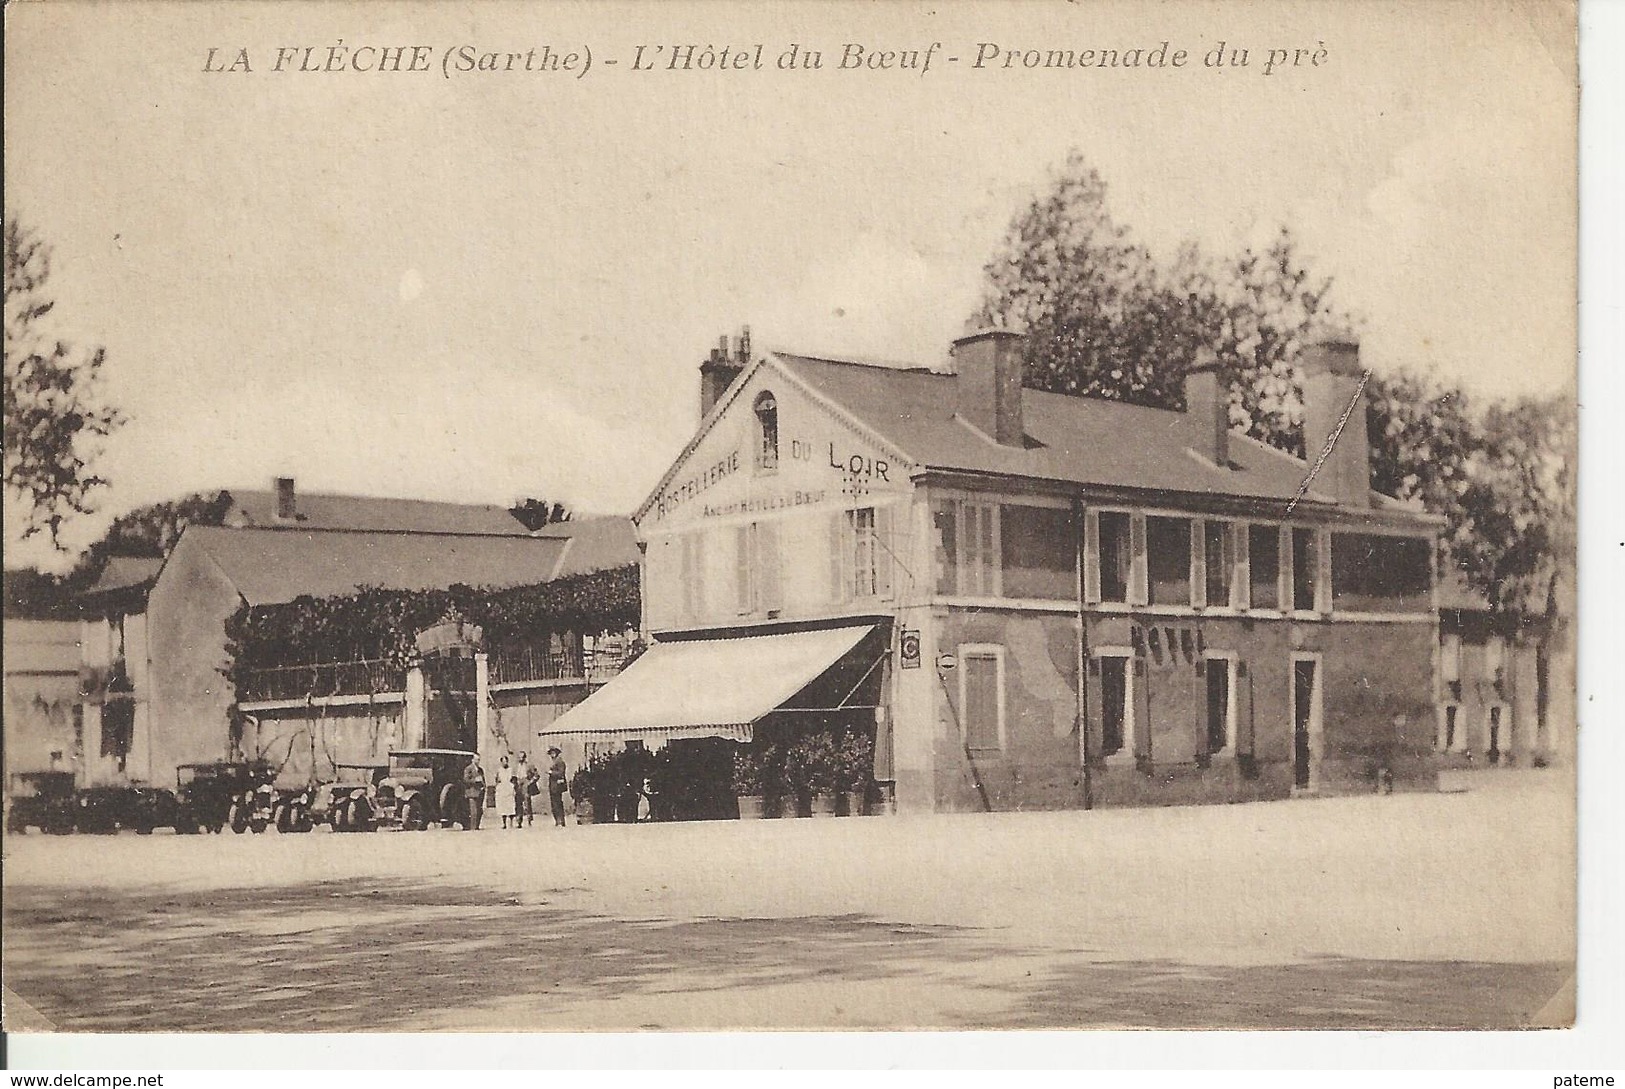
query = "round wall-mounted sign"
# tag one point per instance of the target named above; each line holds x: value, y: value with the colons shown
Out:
x: 946, y: 661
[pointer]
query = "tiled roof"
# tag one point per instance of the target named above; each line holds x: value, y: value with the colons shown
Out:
x: 271, y: 566
x: 317, y: 511
x: 1071, y: 439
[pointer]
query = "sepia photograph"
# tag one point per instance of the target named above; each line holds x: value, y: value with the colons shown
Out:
x: 720, y: 517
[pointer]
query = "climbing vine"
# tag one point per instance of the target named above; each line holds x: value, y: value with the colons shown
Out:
x: 375, y: 624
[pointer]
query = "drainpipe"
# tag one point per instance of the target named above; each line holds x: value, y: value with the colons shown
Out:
x: 1078, y: 536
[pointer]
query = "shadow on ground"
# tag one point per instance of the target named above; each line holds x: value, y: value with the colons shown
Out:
x: 359, y: 956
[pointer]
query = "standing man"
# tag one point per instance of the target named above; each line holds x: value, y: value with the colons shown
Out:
x: 474, y: 793
x: 556, y: 780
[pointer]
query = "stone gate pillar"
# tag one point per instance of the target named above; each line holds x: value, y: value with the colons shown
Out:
x: 483, y: 711
x: 414, y: 722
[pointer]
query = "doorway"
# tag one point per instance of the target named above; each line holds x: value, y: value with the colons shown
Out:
x: 1305, y: 719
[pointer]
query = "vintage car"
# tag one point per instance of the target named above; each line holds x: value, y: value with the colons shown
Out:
x: 107, y: 810
x: 224, y: 794
x: 40, y: 799
x: 349, y: 803
x: 423, y: 787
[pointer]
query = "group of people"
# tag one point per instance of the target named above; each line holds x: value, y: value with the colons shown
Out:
x: 518, y: 785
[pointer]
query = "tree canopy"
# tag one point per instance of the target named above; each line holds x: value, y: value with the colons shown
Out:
x: 535, y: 513
x: 1104, y: 318
x: 54, y: 409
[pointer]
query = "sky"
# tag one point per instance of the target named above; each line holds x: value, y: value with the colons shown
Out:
x: 488, y: 285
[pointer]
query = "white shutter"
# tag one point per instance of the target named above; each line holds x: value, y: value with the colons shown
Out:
x: 1138, y: 588
x: 1091, y: 556
x: 1241, y: 578
x: 769, y: 582
x: 883, y: 544
x: 1198, y: 562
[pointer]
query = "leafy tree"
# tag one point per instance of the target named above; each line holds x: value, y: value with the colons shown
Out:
x: 536, y: 513
x: 1105, y: 319
x: 149, y: 531
x: 54, y: 414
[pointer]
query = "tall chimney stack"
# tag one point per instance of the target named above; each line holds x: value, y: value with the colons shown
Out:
x: 989, y: 364
x: 721, y: 367
x: 287, y: 507
x: 1333, y: 385
x: 1207, y: 403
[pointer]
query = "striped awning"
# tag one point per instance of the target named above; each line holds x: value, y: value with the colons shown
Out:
x: 705, y: 687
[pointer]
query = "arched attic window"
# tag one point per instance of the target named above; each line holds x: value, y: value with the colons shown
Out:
x: 767, y: 432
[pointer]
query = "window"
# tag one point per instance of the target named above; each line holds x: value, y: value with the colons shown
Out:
x: 757, y: 567
x: 861, y: 553
x: 1374, y: 573
x: 1116, y: 556
x: 118, y: 730
x: 767, y: 432
x: 1219, y: 690
x: 981, y: 698
x: 1264, y: 562
x: 1116, y: 706
x: 1305, y: 568
x: 967, y: 547
x: 870, y: 550
x: 1038, y: 552
x: 1168, y: 542
x: 1219, y: 561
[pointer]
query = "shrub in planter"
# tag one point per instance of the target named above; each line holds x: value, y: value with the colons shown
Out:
x: 810, y: 767
x: 854, y: 769
x: 747, y: 782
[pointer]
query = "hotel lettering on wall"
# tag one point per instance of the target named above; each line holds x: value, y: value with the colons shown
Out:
x: 817, y: 469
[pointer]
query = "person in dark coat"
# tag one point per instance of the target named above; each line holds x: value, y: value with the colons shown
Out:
x: 557, y: 781
x: 474, y: 793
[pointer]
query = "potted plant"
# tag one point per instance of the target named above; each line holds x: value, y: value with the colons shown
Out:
x: 583, y: 784
x: 747, y: 783
x: 854, y: 765
x: 820, y: 758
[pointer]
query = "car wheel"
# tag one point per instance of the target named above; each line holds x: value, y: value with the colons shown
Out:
x: 360, y: 815
x: 279, y: 817
x: 144, y: 829
x: 413, y: 818
x: 341, y: 815
x: 258, y: 825
x: 298, y: 819
x: 237, y: 819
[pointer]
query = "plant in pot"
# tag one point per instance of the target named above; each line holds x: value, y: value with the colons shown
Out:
x: 820, y: 756
x: 747, y: 782
x: 583, y: 785
x: 854, y: 766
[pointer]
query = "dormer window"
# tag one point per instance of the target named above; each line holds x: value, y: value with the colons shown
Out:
x: 767, y: 433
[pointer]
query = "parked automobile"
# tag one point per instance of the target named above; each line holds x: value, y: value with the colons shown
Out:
x: 224, y: 794
x: 107, y: 810
x: 423, y: 787
x: 348, y: 804
x: 40, y: 799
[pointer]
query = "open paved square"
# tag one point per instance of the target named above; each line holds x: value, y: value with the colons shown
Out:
x: 1449, y: 910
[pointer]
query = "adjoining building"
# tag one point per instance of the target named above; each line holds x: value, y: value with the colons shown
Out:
x: 42, y: 726
x: 943, y: 556
x: 155, y: 687
x: 1505, y: 682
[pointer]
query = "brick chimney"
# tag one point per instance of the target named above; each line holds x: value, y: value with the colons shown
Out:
x: 287, y: 506
x: 1207, y: 403
x: 725, y: 363
x: 1332, y: 386
x: 989, y: 366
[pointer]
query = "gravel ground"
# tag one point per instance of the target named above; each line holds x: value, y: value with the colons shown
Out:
x: 1447, y: 910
